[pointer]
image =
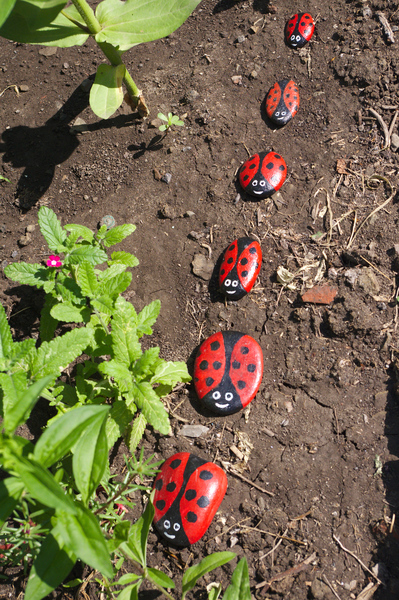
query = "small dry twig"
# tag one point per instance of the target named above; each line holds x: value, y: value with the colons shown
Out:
x: 14, y: 87
x: 361, y: 563
x: 331, y: 587
x: 237, y: 474
x: 293, y: 571
x: 386, y: 27
x: 384, y: 127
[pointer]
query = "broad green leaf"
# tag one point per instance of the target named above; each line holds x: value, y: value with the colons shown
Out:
x: 147, y: 317
x: 69, y: 291
x: 5, y: 333
x: 90, y: 456
x: 11, y: 490
x: 106, y: 94
x: 147, y: 363
x: 128, y: 578
x: 136, y: 546
x: 118, y: 234
x: 87, y: 279
x: 91, y: 254
x: 117, y: 285
x: 131, y: 592
x: 119, y: 418
x: 81, y: 231
x: 171, y: 373
x: 51, y: 228
x: 239, y: 588
x: 27, y: 274
x: 19, y: 350
x: 104, y: 304
x: 19, y: 399
x: 48, y: 325
x: 160, y: 578
x: 207, y: 564
x: 64, y: 432
x: 119, y: 535
x: 69, y: 314
x: 137, y: 431
x: 110, y: 273
x: 51, y: 566
x: 125, y: 345
x: 40, y: 22
x: 6, y: 7
x: 82, y: 535
x: 120, y: 372
x: 126, y: 24
x: 152, y: 408
x: 123, y: 258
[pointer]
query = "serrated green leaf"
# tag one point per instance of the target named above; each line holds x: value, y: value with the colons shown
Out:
x: 239, y: 589
x: 137, y: 431
x: 171, y: 373
x: 90, y: 456
x: 104, y: 304
x: 152, y: 408
x: 207, y: 564
x: 160, y: 578
x: 118, y: 234
x: 26, y: 274
x: 117, y: 285
x: 110, y: 273
x: 87, y: 279
x: 119, y: 418
x: 51, y: 229
x: 19, y: 351
x: 40, y: 22
x: 125, y: 345
x: 19, y: 399
x: 126, y: 24
x: 69, y: 291
x: 106, y: 94
x: 83, y: 536
x: 51, y: 566
x: 123, y: 258
x: 147, y: 363
x: 81, y: 231
x: 120, y: 372
x: 67, y: 313
x: 5, y: 334
x: 147, y: 317
x: 91, y: 254
x: 11, y: 490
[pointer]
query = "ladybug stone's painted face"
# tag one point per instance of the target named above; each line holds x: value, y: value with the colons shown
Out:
x: 171, y: 527
x: 259, y: 186
x: 223, y: 400
x: 232, y: 287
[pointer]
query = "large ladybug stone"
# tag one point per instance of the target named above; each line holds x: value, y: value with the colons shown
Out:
x: 240, y: 268
x: 188, y: 492
x: 263, y: 174
x: 298, y: 30
x: 282, y: 102
x: 228, y: 371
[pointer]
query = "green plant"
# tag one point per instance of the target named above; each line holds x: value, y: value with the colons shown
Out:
x: 115, y: 25
x: 2, y: 178
x: 169, y: 121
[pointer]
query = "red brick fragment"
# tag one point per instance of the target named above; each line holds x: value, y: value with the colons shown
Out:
x: 320, y: 294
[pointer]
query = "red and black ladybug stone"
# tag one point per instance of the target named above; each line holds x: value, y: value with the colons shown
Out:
x: 188, y: 492
x: 299, y: 30
x: 240, y: 268
x: 282, y: 102
x: 263, y: 174
x: 228, y: 371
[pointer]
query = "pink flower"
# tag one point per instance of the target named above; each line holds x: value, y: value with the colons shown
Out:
x: 121, y: 508
x: 54, y: 261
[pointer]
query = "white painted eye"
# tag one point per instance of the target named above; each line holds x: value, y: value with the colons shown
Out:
x: 298, y: 38
x: 176, y: 526
x: 227, y: 282
x: 216, y: 395
x: 228, y: 396
x: 283, y: 113
x: 255, y: 182
x: 235, y: 283
x: 166, y: 524
x: 277, y: 113
x: 293, y: 37
x: 262, y: 183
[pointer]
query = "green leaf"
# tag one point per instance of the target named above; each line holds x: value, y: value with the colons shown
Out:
x: 128, y: 578
x: 51, y: 566
x: 137, y: 431
x: 147, y: 317
x: 207, y: 564
x: 171, y: 373
x: 19, y: 399
x: 80, y: 231
x: 126, y: 24
x: 123, y: 258
x: 48, y: 325
x: 136, y: 546
x: 118, y: 234
x: 83, y: 536
x: 69, y: 314
x: 104, y: 304
x: 117, y: 285
x: 118, y: 420
x: 152, y: 408
x: 51, y: 228
x: 26, y: 274
x: 65, y: 431
x: 239, y: 589
x: 160, y: 578
x: 131, y: 592
x: 119, y: 535
x: 5, y: 8
x: 11, y: 490
x: 40, y: 22
x: 120, y: 372
x: 91, y: 254
x: 125, y: 345
x: 147, y: 363
x: 90, y: 456
x: 20, y: 350
x: 215, y: 592
x: 106, y: 94
x: 87, y: 279
x: 5, y: 333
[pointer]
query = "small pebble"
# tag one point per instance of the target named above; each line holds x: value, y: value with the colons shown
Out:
x: 25, y: 240
x: 166, y: 178
x: 193, y: 431
x: 394, y: 141
x: 108, y: 221
x: 237, y: 79
x: 23, y: 88
x: 240, y: 39
x: 14, y: 254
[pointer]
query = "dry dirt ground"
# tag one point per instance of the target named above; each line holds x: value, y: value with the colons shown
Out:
x: 319, y: 444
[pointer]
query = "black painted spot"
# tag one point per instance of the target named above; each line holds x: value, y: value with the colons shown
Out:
x: 175, y: 463
x: 245, y: 177
x: 191, y: 517
x: 241, y: 384
x: 190, y: 494
x: 243, y: 261
x: 244, y: 350
x: 277, y: 156
x: 236, y: 364
x: 222, y: 272
x: 244, y: 274
x: 251, y: 368
x: 203, y: 502
x: 215, y: 346
x: 159, y: 484
x: 160, y: 504
x: 252, y: 166
x: 217, y: 365
x: 290, y: 103
x: 281, y: 168
x: 230, y: 260
x: 231, y: 248
x: 209, y: 381
x: 270, y: 165
x: 204, y: 365
x: 287, y: 95
x: 252, y: 250
x: 206, y: 475
x: 171, y: 486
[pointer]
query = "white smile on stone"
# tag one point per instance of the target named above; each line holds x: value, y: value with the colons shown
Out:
x: 255, y: 192
x: 221, y: 405
x: 232, y: 291
x: 172, y: 537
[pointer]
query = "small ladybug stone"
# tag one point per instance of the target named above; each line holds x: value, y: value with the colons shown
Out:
x: 299, y: 30
x: 228, y: 371
x: 263, y: 174
x: 188, y: 492
x: 240, y: 268
x: 282, y: 102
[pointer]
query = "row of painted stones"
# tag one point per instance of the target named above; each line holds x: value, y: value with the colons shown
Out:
x: 228, y: 368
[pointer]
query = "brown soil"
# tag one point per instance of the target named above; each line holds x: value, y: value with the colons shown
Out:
x: 327, y: 410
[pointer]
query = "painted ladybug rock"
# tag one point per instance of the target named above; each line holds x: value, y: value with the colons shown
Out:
x: 240, y: 268
x: 188, y: 492
x: 263, y: 174
x: 228, y: 371
x: 299, y: 30
x: 282, y: 102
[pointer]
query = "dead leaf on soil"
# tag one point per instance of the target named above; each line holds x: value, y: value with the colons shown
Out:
x: 320, y: 294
